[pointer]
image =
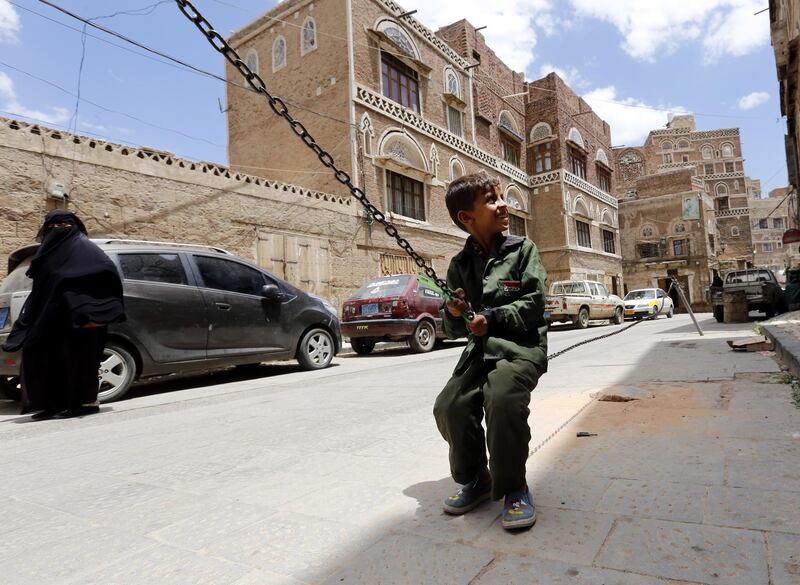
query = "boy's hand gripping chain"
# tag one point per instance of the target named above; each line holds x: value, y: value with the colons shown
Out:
x: 446, y: 294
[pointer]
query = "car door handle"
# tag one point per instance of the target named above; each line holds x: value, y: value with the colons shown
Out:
x: 223, y: 306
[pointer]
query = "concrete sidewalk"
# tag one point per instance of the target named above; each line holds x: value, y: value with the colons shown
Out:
x: 784, y: 332
x: 338, y: 478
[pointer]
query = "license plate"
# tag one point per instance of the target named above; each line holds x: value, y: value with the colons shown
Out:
x: 369, y: 309
x: 629, y: 311
x: 3, y: 317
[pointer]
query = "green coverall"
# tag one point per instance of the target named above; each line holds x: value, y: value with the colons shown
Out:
x: 497, y: 372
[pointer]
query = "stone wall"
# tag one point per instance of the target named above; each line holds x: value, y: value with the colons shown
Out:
x: 123, y: 192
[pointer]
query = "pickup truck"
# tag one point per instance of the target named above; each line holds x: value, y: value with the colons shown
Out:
x: 762, y: 289
x: 580, y: 301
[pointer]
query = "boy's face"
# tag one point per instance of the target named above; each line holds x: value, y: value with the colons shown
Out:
x: 488, y: 216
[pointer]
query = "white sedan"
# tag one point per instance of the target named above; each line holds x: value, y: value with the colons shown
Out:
x: 648, y: 302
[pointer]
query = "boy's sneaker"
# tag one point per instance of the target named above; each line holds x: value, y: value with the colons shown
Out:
x: 468, y: 497
x: 519, y: 510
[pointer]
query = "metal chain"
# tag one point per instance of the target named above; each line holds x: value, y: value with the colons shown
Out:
x: 281, y: 109
x: 585, y: 341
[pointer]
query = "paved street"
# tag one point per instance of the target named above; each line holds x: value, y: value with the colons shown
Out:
x: 337, y: 476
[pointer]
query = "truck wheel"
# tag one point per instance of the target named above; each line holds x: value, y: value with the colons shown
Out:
x: 581, y: 320
x: 362, y: 345
x: 424, y: 337
x: 10, y: 388
x: 618, y: 316
x: 719, y: 313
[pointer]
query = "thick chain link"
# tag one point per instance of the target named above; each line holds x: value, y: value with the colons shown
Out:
x: 281, y: 109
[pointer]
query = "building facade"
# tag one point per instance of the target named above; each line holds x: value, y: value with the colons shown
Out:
x: 716, y: 158
x: 670, y: 231
x: 405, y: 110
x: 771, y: 217
x: 785, y: 35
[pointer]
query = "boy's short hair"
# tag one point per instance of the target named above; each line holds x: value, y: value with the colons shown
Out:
x: 461, y: 193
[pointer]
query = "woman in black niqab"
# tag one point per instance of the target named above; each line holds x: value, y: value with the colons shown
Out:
x: 62, y: 327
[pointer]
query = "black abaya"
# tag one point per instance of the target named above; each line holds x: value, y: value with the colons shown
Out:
x: 75, y: 288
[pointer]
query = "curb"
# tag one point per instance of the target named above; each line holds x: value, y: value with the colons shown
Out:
x: 787, y: 347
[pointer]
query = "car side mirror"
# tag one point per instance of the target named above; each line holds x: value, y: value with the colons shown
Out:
x: 271, y: 292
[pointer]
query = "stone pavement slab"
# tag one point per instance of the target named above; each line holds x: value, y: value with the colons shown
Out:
x: 680, y: 502
x: 752, y: 508
x: 784, y: 553
x: 527, y: 571
x: 566, y: 535
x: 400, y: 559
x: 164, y: 565
x: 59, y: 560
x: 703, y: 554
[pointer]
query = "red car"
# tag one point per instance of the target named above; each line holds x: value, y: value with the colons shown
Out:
x: 392, y: 308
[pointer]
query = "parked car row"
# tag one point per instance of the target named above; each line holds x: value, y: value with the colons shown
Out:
x: 189, y: 308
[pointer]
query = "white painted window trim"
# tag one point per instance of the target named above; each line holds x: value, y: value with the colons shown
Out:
x: 303, y: 50
x: 279, y: 66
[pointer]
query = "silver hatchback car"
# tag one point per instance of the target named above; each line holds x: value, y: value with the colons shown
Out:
x: 190, y: 308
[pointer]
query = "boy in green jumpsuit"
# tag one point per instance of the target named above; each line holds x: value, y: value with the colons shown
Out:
x: 501, y: 278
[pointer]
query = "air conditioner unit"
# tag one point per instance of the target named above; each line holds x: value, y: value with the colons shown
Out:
x: 56, y: 190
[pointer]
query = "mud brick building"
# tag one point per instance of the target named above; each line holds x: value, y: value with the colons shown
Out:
x: 405, y: 110
x: 670, y: 231
x: 771, y: 217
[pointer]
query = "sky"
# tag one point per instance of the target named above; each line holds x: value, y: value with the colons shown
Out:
x: 634, y: 61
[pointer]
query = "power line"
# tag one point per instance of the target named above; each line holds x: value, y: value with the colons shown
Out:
x: 170, y: 61
x: 110, y: 110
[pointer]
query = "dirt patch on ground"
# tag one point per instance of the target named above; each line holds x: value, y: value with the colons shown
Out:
x: 673, y: 406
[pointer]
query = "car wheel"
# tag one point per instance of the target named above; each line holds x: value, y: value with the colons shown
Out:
x: 362, y: 345
x: 671, y: 312
x: 315, y: 350
x: 581, y: 320
x: 618, y: 316
x: 116, y: 374
x: 423, y: 338
x: 654, y: 313
x: 10, y: 387
x: 719, y: 313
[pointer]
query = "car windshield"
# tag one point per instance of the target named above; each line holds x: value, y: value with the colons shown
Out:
x: 638, y: 295
x: 17, y: 281
x: 389, y: 286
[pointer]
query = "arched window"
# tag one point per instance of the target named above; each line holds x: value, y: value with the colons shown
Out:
x: 683, y: 144
x: 514, y: 198
x: 278, y: 54
x: 666, y: 145
x: 727, y: 150
x: 251, y: 60
x: 456, y: 168
x: 451, y: 84
x: 541, y: 131
x: 601, y: 157
x: 506, y: 121
x: 707, y: 152
x: 735, y: 232
x: 399, y: 37
x: 721, y: 189
x: 308, y: 36
x: 648, y: 231
x: 575, y: 136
